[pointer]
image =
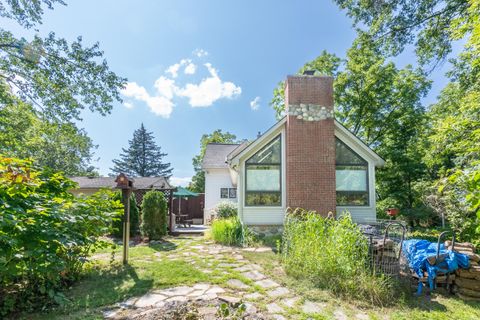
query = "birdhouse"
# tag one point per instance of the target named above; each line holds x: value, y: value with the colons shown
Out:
x: 123, y: 182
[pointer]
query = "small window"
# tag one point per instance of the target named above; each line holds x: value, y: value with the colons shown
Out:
x: 232, y: 193
x: 224, y: 193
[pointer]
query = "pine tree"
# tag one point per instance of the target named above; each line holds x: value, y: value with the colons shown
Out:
x: 143, y: 158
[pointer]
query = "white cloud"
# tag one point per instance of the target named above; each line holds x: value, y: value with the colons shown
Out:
x: 200, y: 53
x: 202, y: 94
x: 180, y: 181
x: 255, y: 104
x: 190, y: 68
x: 128, y: 105
x: 209, y: 90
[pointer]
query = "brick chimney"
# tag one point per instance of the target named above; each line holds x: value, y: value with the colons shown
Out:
x: 310, y: 143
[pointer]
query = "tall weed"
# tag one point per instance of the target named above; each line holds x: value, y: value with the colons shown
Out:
x: 230, y: 231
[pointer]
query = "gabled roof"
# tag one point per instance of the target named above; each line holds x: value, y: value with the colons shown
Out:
x: 160, y: 183
x: 377, y: 160
x: 216, y: 155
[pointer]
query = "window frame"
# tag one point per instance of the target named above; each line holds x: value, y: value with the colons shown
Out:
x: 236, y: 195
x: 221, y: 195
x: 367, y: 166
x: 280, y: 168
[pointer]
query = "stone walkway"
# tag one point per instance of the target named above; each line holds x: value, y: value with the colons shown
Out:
x: 235, y: 281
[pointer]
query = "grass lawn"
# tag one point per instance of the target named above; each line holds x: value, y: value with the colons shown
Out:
x: 178, y: 261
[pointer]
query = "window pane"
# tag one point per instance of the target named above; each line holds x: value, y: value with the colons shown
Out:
x: 271, y: 153
x: 263, y: 178
x: 232, y: 193
x: 224, y: 193
x: 345, y: 155
x: 263, y: 199
x: 350, y: 198
x: 350, y: 178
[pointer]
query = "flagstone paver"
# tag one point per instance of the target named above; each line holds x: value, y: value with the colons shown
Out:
x: 312, y: 307
x: 237, y: 284
x: 278, y: 292
x: 267, y: 283
x: 254, y: 275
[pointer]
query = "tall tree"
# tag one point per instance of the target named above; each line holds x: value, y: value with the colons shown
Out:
x: 59, y: 146
x: 217, y: 136
x: 60, y: 79
x: 381, y: 104
x: 143, y: 158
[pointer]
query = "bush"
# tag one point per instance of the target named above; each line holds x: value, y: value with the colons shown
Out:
x: 226, y: 209
x: 333, y: 254
x: 154, y: 215
x: 230, y: 231
x: 134, y: 217
x: 46, y: 234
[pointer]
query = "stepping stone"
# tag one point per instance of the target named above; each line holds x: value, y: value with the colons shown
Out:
x: 205, y: 311
x: 290, y: 302
x: 215, y: 290
x: 196, y: 293
x: 362, y: 316
x: 250, y: 308
x: 227, y: 265
x: 278, y: 292
x: 177, y: 291
x: 177, y: 298
x: 149, y: 299
x: 253, y: 296
x: 263, y: 249
x: 267, y: 283
x: 249, y: 249
x: 340, y: 315
x: 229, y: 299
x: 201, y: 286
x: 128, y: 303
x: 254, y: 275
x: 274, y: 308
x: 237, y: 284
x: 278, y: 317
x: 312, y: 307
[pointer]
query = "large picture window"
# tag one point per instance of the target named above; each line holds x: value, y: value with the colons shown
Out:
x: 263, y: 176
x: 351, y: 177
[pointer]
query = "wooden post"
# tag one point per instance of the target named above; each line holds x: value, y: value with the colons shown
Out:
x: 170, y: 211
x: 126, y: 185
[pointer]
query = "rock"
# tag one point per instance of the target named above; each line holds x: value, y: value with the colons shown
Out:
x: 237, y: 284
x: 468, y: 273
x: 177, y: 298
x: 340, y: 315
x: 362, y: 316
x: 176, y: 291
x: 253, y: 296
x: 274, y: 308
x: 290, y: 302
x: 254, y: 275
x: 263, y: 249
x: 204, y: 311
x: 149, y: 299
x: 468, y: 292
x: 229, y: 299
x: 278, y: 292
x: 215, y: 290
x: 467, y: 298
x: 468, y: 283
x: 267, y: 283
x: 278, y: 317
x: 466, y: 245
x: 201, y: 286
x: 312, y: 307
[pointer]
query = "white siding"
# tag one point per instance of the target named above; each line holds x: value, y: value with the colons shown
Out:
x: 214, y: 180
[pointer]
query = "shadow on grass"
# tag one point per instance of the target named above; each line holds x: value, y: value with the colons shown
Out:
x: 163, y: 245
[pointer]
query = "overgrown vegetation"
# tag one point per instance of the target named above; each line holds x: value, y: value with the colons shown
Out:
x: 154, y: 215
x: 226, y: 209
x: 333, y: 254
x: 134, y: 217
x: 46, y: 234
x: 231, y: 232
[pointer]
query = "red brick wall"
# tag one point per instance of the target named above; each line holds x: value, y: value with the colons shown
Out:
x: 310, y: 147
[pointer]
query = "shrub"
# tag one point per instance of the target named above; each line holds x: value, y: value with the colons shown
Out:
x: 134, y: 217
x: 230, y: 231
x: 333, y: 254
x: 226, y: 209
x: 46, y: 234
x: 154, y: 215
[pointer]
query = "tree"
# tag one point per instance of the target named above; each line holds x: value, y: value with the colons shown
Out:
x: 60, y: 79
x: 217, y: 136
x: 143, y: 158
x: 380, y: 104
x: 59, y: 146
x: 154, y: 215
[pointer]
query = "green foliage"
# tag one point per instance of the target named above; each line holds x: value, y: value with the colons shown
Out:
x: 46, y: 233
x: 230, y: 232
x: 334, y: 255
x: 59, y: 146
x: 134, y: 217
x: 154, y: 215
x: 217, y: 136
x: 143, y: 158
x: 226, y: 209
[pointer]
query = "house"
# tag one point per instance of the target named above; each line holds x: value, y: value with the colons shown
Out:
x: 90, y: 185
x: 307, y: 159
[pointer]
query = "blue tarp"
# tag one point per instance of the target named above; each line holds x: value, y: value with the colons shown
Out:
x: 417, y: 251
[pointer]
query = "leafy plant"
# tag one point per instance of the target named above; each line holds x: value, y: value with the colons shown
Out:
x: 230, y: 231
x: 46, y: 234
x: 334, y: 255
x: 134, y: 217
x: 154, y: 215
x: 226, y: 209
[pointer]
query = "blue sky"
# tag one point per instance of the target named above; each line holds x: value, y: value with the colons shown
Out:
x: 229, y: 53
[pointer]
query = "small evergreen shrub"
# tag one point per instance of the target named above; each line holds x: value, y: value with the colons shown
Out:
x: 333, y: 254
x: 226, y: 209
x: 231, y: 232
x: 134, y: 217
x: 154, y: 215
